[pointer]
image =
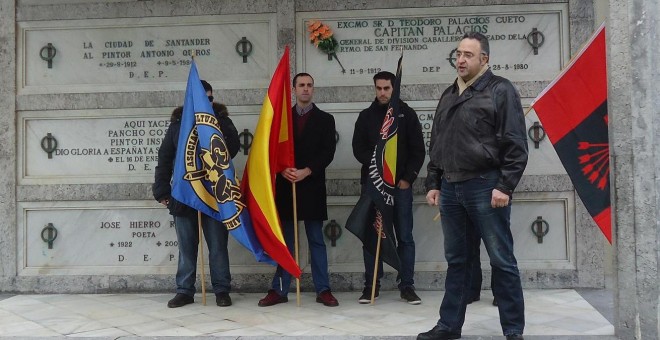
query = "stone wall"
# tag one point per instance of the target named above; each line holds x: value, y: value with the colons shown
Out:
x: 40, y: 191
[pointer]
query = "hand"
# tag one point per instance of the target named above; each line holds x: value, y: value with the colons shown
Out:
x: 294, y: 175
x: 289, y: 174
x: 499, y: 199
x: 302, y: 174
x: 165, y: 201
x: 433, y: 197
x: 403, y: 184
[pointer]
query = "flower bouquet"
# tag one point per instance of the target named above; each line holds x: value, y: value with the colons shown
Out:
x: 321, y: 36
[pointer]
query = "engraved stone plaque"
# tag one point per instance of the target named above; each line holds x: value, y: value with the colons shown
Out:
x: 100, y: 146
x: 94, y: 146
x: 121, y: 145
x: 145, y: 54
x: 527, y: 42
x: 138, y: 237
x: 127, y: 237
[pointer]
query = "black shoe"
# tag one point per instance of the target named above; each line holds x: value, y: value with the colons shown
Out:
x: 222, y: 299
x: 494, y: 302
x: 514, y: 337
x: 473, y: 299
x: 180, y: 300
x: 366, y: 295
x: 408, y: 294
x: 438, y: 334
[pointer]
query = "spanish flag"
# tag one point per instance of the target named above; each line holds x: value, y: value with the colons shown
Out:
x: 270, y: 153
x: 573, y: 111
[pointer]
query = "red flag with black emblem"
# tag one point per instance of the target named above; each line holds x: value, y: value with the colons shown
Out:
x: 573, y: 112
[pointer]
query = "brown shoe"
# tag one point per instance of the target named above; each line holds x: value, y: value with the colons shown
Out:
x: 272, y: 298
x: 326, y: 298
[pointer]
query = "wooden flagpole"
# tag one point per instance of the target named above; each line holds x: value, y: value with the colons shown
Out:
x: 295, y: 235
x: 201, y: 256
x: 373, y: 283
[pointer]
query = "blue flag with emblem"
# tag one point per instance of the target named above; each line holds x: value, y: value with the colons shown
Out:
x: 204, y: 176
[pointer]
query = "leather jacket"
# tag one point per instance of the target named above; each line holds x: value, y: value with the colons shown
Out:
x: 481, y: 130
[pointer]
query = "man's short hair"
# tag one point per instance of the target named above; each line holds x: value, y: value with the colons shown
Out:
x: 384, y: 75
x: 483, y: 41
x: 207, y: 86
x: 301, y: 74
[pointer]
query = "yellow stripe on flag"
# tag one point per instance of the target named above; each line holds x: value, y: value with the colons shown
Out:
x: 261, y: 181
x: 390, y: 155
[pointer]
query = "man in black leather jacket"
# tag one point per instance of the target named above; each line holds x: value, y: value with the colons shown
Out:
x: 185, y: 218
x: 478, y: 154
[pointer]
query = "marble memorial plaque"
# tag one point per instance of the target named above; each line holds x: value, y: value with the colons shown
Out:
x: 101, y: 146
x: 125, y: 237
x: 527, y: 42
x: 145, y: 54
x: 138, y: 237
x: 95, y: 146
x: 121, y: 145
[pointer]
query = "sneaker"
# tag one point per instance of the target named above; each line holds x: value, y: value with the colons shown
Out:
x: 272, y: 298
x: 366, y: 295
x: 222, y: 299
x: 494, y: 302
x: 180, y: 300
x: 514, y: 337
x: 408, y: 294
x: 327, y: 299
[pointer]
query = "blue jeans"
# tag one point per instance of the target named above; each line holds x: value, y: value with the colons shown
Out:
x: 403, y: 229
x: 319, y: 257
x: 466, y: 210
x: 477, y: 277
x: 187, y: 234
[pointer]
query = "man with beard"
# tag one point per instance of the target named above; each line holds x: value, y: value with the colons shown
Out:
x: 410, y: 157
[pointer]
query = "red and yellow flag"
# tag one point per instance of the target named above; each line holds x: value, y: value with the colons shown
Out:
x: 270, y: 153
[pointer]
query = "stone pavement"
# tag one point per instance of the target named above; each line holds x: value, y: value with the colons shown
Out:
x: 550, y: 314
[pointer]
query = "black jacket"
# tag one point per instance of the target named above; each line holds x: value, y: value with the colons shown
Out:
x: 481, y: 130
x: 410, y: 146
x: 162, y: 187
x: 313, y: 148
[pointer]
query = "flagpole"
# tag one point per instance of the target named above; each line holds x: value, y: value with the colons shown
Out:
x: 200, y: 238
x: 374, y: 279
x: 201, y: 255
x: 295, y: 233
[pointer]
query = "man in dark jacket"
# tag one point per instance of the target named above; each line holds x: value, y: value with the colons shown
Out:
x: 314, y: 148
x: 185, y: 218
x: 478, y: 154
x: 410, y: 157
